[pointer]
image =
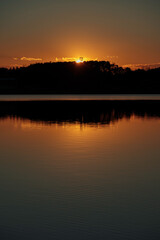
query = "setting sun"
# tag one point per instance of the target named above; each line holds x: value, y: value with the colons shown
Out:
x: 80, y: 60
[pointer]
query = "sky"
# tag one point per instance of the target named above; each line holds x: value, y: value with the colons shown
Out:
x: 122, y: 31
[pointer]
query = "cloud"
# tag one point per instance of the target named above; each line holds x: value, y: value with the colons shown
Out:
x: 142, y: 66
x: 74, y: 59
x: 30, y: 59
x: 27, y: 59
x: 66, y: 59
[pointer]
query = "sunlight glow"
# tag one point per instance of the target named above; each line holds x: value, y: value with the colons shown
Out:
x: 80, y: 60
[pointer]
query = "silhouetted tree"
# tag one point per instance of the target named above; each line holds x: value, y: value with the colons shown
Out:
x: 70, y: 77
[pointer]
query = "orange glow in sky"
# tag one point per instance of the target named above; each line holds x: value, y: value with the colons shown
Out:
x: 122, y: 32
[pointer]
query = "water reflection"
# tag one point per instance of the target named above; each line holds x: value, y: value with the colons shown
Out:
x: 81, y: 177
x: 83, y: 112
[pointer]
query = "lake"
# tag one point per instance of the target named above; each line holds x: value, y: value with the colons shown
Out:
x: 78, y: 97
x: 85, y: 170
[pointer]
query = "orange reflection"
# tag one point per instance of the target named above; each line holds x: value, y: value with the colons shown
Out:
x: 80, y: 147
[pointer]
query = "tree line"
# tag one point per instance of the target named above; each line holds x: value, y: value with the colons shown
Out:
x: 70, y: 77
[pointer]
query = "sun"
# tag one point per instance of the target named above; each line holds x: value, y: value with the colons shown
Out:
x: 80, y: 60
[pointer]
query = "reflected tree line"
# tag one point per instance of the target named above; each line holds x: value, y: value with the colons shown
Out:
x: 70, y: 77
x: 83, y: 112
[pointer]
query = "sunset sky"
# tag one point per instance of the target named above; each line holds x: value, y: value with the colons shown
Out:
x: 121, y: 31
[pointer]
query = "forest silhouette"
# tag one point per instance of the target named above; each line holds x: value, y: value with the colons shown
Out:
x: 70, y: 77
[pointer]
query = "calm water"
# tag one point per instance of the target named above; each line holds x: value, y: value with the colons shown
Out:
x: 80, y: 97
x: 83, y: 170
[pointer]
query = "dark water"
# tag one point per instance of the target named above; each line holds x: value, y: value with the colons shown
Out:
x: 80, y: 170
x: 80, y: 97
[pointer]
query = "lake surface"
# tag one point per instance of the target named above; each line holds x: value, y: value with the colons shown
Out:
x: 83, y: 170
x: 80, y: 97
